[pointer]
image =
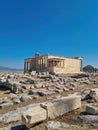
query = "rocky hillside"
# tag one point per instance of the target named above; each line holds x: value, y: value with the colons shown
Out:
x: 89, y: 68
x: 44, y: 101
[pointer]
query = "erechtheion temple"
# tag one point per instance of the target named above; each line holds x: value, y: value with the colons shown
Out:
x: 54, y: 64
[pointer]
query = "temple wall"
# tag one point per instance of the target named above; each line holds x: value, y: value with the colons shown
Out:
x: 72, y: 65
x: 40, y: 63
x: 50, y: 56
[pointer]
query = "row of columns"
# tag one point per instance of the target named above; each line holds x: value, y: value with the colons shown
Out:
x: 56, y: 63
x: 26, y: 66
x: 41, y: 63
x: 81, y: 65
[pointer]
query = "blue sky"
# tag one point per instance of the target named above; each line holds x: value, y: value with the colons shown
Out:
x: 59, y: 27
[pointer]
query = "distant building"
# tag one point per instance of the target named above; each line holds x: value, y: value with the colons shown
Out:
x: 54, y: 64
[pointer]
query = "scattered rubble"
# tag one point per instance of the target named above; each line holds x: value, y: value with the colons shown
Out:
x: 56, y: 125
x: 51, y: 109
x: 92, y: 109
x: 26, y: 96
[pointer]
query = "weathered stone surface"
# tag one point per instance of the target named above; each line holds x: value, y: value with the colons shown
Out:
x: 54, y: 69
x: 34, y: 115
x: 4, y: 99
x: 56, y: 125
x: 35, y: 96
x: 61, y: 106
x: 6, y: 128
x: 92, y: 109
x: 32, y: 91
x: 45, y: 92
x: 90, y: 95
x: 14, y: 88
x: 33, y: 73
x: 15, y: 115
x: 16, y: 100
x: 38, y: 85
x: 25, y: 98
x: 10, y: 117
x: 93, y: 94
x: 28, y: 80
x: 12, y: 95
x: 51, y: 82
x: 6, y: 104
x: 96, y: 91
x: 65, y: 89
x: 58, y: 90
x: 88, y: 119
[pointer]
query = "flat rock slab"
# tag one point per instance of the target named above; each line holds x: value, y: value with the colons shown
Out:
x: 87, y: 119
x: 51, y: 109
x: 34, y: 115
x: 15, y: 115
x: 56, y: 125
x: 6, y: 128
x: 92, y: 109
x: 58, y: 107
x: 6, y: 104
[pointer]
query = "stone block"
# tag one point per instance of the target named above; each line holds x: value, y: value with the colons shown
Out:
x: 95, y: 90
x: 61, y: 106
x: 87, y: 119
x: 55, y: 125
x: 25, y: 98
x: 34, y: 115
x: 92, y: 109
x: 33, y: 73
x: 6, y: 104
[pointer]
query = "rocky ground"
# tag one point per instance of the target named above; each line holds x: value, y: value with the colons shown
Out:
x: 20, y: 92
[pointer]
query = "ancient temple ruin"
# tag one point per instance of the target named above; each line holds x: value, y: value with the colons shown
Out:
x: 54, y: 64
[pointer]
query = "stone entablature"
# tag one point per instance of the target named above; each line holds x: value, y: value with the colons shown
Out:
x: 55, y: 64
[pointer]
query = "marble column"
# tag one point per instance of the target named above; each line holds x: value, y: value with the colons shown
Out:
x: 81, y: 66
x: 27, y: 66
x: 63, y: 63
x: 24, y: 67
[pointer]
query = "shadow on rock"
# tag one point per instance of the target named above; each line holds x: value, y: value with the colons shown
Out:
x: 19, y: 127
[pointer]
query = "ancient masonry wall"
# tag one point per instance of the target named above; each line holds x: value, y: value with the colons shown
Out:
x: 70, y: 65
x: 54, y: 64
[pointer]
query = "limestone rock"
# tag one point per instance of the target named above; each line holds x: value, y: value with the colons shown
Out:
x: 15, y: 115
x: 33, y: 73
x: 32, y: 92
x: 86, y: 119
x: 6, y: 104
x: 93, y: 95
x: 92, y: 109
x: 9, y: 117
x: 14, y: 88
x: 6, y: 128
x: 45, y: 92
x: 34, y: 115
x: 55, y: 125
x: 12, y: 95
x: 38, y: 85
x: 25, y: 98
x: 62, y: 105
x: 16, y: 100
x: 95, y: 91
